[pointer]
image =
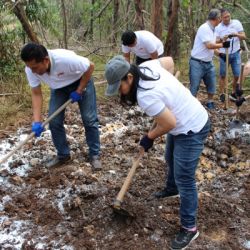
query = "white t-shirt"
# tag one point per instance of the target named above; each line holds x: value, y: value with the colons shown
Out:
x: 204, y: 34
x: 66, y: 68
x: 168, y: 92
x: 146, y: 44
x: 222, y: 30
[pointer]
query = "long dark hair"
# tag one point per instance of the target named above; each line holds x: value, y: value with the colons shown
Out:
x: 130, y: 99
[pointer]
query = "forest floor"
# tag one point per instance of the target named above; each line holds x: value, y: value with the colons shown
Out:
x: 70, y: 207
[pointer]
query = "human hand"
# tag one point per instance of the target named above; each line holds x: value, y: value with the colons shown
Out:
x: 37, y: 128
x: 75, y: 96
x: 226, y: 44
x: 146, y: 143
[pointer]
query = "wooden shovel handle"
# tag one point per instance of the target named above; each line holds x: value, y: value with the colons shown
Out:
x: 226, y: 80
x: 31, y: 135
x: 126, y: 184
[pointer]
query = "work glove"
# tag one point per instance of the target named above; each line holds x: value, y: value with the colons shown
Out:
x: 37, y: 128
x: 239, y: 101
x: 75, y: 96
x: 222, y: 56
x: 226, y: 44
x: 146, y: 143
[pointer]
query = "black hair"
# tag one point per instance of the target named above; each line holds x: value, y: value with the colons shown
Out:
x: 131, y: 98
x: 128, y: 37
x: 31, y: 51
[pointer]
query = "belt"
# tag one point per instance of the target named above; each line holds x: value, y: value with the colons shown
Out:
x: 238, y: 51
x: 198, y: 60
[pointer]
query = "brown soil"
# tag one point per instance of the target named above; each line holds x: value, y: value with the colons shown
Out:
x: 70, y: 207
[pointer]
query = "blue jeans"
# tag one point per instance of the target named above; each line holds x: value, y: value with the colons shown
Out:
x: 182, y: 157
x: 234, y: 61
x: 88, y: 114
x: 202, y: 71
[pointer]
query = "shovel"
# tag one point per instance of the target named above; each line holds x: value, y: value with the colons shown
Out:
x: 226, y: 80
x: 236, y: 123
x: 119, y: 199
x: 31, y: 135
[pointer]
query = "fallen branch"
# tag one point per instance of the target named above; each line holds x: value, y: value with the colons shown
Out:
x: 8, y: 94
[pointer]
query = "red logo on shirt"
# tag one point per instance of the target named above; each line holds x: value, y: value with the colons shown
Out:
x: 60, y: 74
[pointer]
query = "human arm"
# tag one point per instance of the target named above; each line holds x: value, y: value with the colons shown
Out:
x: 154, y: 55
x: 85, y: 78
x: 127, y: 56
x: 164, y: 122
x: 37, y: 102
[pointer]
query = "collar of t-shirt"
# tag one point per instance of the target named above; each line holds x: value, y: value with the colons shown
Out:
x: 211, y: 26
x: 52, y: 63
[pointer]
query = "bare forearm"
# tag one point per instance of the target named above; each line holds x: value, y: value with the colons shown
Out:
x: 85, y: 78
x: 37, y: 103
x: 127, y: 57
x: 163, y: 123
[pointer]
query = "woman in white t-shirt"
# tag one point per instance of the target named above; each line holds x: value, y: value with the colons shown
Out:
x: 176, y: 113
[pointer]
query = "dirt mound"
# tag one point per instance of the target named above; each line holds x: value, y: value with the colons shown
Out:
x: 70, y: 207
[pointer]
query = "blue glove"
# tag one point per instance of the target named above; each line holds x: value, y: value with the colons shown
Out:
x: 75, y: 96
x: 146, y: 143
x: 37, y: 128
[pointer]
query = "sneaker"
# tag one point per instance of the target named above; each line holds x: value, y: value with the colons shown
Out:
x: 183, y: 239
x: 166, y: 193
x: 96, y: 163
x: 210, y: 105
x: 222, y: 97
x: 57, y: 162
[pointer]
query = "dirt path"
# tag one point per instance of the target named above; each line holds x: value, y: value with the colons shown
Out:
x: 69, y: 207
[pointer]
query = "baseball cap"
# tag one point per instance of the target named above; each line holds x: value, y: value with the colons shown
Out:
x: 115, y: 70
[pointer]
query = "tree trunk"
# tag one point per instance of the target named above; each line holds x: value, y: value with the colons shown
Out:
x: 139, y: 15
x: 91, y: 27
x: 127, y: 13
x: 115, y: 19
x: 171, y: 47
x: 65, y: 30
x: 97, y: 16
x: 156, y: 17
x: 21, y: 15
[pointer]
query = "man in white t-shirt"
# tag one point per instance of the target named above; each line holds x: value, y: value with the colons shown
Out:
x: 69, y: 77
x: 144, y: 44
x: 201, y: 62
x: 176, y: 113
x: 232, y: 30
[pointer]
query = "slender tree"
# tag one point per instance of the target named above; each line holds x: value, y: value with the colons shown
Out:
x: 139, y: 15
x: 171, y: 46
x: 157, y: 18
x: 22, y: 17
x: 65, y: 29
x: 115, y: 20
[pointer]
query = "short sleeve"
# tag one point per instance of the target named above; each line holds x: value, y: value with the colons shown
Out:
x: 33, y: 80
x: 125, y: 49
x: 149, y: 45
x: 78, y: 64
x: 239, y: 26
x: 205, y: 36
x: 151, y: 106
